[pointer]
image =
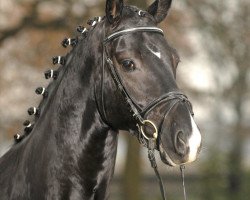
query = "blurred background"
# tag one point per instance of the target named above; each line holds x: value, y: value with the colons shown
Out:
x: 213, y: 40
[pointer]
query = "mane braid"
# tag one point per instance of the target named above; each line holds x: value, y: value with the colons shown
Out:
x: 53, y: 85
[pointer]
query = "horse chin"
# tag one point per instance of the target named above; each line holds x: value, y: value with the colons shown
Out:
x: 165, y: 157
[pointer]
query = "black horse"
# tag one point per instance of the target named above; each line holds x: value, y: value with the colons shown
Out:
x: 120, y: 75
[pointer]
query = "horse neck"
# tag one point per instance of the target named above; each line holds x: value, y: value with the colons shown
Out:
x: 70, y: 136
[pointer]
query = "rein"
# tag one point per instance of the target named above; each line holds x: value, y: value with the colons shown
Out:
x: 137, y: 112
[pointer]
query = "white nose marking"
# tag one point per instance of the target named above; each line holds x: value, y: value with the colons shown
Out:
x: 194, y: 141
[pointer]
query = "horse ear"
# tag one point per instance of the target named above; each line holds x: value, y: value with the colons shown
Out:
x: 114, y: 10
x: 159, y: 9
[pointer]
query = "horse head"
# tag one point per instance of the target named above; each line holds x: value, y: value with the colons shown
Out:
x: 139, y: 90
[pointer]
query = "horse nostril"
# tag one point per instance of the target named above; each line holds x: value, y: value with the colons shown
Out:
x: 180, y: 143
x: 181, y: 137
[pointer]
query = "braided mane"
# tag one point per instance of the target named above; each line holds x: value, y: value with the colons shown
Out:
x: 57, y: 74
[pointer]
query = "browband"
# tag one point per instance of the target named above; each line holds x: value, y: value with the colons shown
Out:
x: 130, y: 30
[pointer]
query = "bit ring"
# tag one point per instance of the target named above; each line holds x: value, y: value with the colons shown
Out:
x: 155, y: 134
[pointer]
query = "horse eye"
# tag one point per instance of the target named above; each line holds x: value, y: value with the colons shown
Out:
x: 129, y: 65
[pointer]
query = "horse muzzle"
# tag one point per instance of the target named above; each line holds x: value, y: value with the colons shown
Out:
x: 179, y: 146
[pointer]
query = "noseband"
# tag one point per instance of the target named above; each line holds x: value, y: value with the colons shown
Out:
x: 137, y: 112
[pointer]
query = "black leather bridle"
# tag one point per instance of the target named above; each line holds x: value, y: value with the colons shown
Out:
x: 137, y: 112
